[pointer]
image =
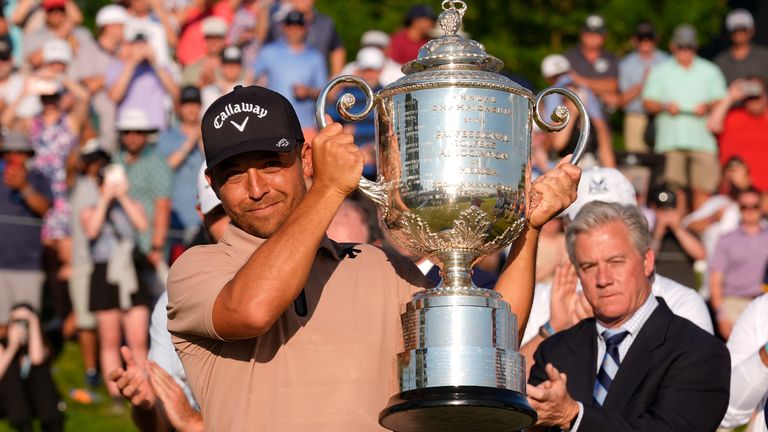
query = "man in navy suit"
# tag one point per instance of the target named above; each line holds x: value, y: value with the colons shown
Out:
x: 635, y: 366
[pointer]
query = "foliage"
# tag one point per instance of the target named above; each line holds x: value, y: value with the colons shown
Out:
x: 522, y: 32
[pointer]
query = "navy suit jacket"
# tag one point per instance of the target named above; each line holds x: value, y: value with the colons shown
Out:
x: 675, y: 376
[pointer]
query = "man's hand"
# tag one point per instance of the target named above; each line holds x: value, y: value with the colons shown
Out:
x: 180, y: 414
x: 552, y: 193
x: 673, y: 108
x: 551, y: 400
x: 132, y: 382
x: 337, y: 163
x: 567, y: 306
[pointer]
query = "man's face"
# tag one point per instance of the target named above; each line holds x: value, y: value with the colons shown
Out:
x: 424, y: 25
x: 134, y: 141
x: 294, y: 33
x: 189, y: 112
x: 684, y: 54
x: 741, y: 36
x: 259, y: 190
x: 645, y: 44
x: 614, y: 275
x: 231, y: 71
x: 115, y: 31
x: 749, y: 205
x: 6, y: 67
x: 214, y: 45
x: 592, y: 40
x: 140, y: 7
x: 54, y: 17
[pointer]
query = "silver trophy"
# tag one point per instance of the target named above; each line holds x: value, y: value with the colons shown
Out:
x: 453, y: 158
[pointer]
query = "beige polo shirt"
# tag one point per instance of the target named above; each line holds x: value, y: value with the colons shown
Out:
x: 331, y: 370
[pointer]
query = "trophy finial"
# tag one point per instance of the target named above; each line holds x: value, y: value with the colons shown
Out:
x: 451, y: 17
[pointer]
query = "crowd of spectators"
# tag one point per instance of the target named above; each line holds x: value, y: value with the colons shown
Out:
x: 101, y: 158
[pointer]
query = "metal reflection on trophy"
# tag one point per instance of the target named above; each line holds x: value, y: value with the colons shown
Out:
x: 453, y: 163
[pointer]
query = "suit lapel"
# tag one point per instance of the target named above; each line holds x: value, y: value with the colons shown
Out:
x: 581, y: 380
x: 639, y: 358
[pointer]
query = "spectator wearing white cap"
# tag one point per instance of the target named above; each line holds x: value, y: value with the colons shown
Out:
x: 561, y: 304
x: 150, y: 178
x: 205, y: 70
x: 593, y: 66
x: 377, y: 39
x: 556, y: 68
x: 681, y: 92
x: 743, y: 59
x: 110, y: 23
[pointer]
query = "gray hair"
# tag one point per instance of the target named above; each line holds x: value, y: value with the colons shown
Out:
x: 597, y: 214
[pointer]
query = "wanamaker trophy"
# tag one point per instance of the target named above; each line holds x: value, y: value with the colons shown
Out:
x: 453, y: 163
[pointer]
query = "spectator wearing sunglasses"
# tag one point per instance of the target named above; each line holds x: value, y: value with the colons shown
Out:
x: 681, y: 92
x: 737, y: 266
x: 742, y: 59
x: 633, y: 72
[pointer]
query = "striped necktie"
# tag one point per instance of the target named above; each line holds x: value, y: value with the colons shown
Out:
x: 610, y: 365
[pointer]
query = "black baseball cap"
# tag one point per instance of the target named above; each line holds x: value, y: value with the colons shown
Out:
x: 249, y: 119
x: 645, y: 30
x: 294, y: 18
x: 190, y: 94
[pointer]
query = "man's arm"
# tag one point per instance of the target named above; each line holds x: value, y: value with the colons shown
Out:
x: 549, y: 195
x: 262, y: 290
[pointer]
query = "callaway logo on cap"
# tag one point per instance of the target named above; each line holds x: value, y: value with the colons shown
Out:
x: 249, y: 119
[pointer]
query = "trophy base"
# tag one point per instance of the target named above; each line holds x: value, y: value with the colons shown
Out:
x: 458, y: 409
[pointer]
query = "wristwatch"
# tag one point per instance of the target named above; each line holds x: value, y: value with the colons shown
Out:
x: 546, y: 330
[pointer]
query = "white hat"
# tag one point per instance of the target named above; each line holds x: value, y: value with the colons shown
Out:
x: 206, y: 197
x: 739, y: 19
x: 602, y: 184
x: 214, y: 26
x: 554, y: 64
x: 57, y: 51
x: 370, y: 58
x: 375, y: 38
x: 111, y: 14
x: 133, y: 119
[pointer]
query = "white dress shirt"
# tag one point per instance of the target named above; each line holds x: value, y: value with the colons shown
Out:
x: 161, y: 350
x: 749, y: 376
x: 682, y: 301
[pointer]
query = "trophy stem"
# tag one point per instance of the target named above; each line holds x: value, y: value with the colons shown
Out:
x: 457, y: 269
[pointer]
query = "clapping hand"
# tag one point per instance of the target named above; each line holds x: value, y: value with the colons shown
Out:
x: 133, y: 383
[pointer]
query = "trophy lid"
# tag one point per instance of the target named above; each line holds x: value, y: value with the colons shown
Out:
x: 453, y: 51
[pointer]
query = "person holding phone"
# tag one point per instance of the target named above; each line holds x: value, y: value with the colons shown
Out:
x: 27, y: 390
x: 117, y: 295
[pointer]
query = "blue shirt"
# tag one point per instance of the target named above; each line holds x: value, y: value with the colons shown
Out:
x: 284, y: 68
x: 184, y: 185
x: 631, y: 72
x: 20, y: 226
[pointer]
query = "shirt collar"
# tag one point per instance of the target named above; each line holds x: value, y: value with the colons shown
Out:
x: 240, y: 239
x: 635, y: 323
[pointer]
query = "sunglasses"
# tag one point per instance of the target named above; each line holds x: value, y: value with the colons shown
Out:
x: 749, y: 206
x: 56, y: 9
x: 138, y: 132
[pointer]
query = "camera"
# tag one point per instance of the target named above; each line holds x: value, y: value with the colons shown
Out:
x: 664, y: 198
x: 23, y: 323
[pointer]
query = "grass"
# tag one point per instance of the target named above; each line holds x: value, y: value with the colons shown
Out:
x: 68, y: 372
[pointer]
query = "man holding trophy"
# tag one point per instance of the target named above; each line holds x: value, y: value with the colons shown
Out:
x: 279, y: 328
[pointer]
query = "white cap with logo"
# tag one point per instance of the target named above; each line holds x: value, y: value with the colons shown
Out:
x: 206, y: 197
x: 602, y: 184
x: 554, y: 65
x: 57, y: 51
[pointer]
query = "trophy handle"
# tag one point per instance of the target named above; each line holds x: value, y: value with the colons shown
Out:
x: 376, y: 191
x: 563, y: 116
